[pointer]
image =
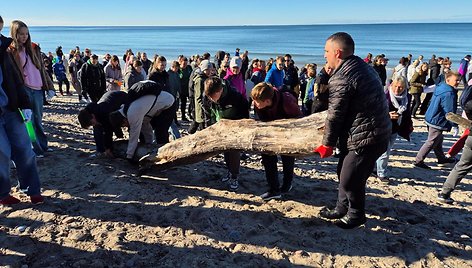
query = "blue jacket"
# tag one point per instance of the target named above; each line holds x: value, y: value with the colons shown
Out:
x: 444, y: 100
x: 275, y: 76
x: 59, y: 71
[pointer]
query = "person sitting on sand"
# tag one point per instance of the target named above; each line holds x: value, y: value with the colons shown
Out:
x: 229, y: 104
x: 271, y: 104
x: 145, y: 114
x: 97, y: 115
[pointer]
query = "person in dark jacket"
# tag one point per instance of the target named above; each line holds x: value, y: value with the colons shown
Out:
x: 320, y: 90
x: 134, y: 74
x: 184, y: 74
x: 97, y: 115
x: 271, y: 104
x: 357, y: 118
x: 227, y: 104
x: 379, y: 67
x: 462, y: 168
x: 14, y: 141
x: 463, y: 66
x: 92, y: 78
x: 291, y: 80
x: 146, y: 62
x: 444, y: 101
x: 398, y: 101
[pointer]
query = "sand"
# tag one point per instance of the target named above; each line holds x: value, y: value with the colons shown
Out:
x: 98, y: 213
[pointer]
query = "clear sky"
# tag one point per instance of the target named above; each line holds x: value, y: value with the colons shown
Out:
x: 239, y: 12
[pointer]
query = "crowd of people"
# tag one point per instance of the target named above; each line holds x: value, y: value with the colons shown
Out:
x: 366, y: 110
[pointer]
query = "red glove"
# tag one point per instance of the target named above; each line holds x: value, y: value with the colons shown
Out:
x: 324, y: 151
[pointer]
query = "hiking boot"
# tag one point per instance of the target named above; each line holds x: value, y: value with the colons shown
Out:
x: 447, y: 160
x: 9, y: 200
x: 348, y: 222
x: 445, y: 198
x: 422, y: 165
x: 37, y: 199
x: 331, y: 214
x: 226, y: 177
x: 270, y: 195
x: 233, y: 184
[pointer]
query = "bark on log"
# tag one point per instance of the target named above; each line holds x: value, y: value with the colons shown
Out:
x: 296, y: 137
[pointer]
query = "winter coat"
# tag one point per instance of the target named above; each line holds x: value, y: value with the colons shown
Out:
x: 382, y: 72
x: 112, y: 74
x: 236, y: 81
x: 132, y: 77
x: 92, y: 78
x: 59, y: 71
x: 463, y: 66
x: 444, y: 100
x: 162, y: 79
x: 231, y: 105
x: 12, y: 80
x: 417, y: 82
x: 405, y: 128
x: 198, y: 86
x: 184, y: 80
x: 291, y: 78
x: 357, y: 112
x: 275, y: 76
x: 174, y: 83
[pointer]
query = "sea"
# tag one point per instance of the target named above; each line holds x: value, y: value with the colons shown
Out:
x: 304, y: 42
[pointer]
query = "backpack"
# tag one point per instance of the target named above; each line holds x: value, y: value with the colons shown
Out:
x: 140, y: 89
x: 465, y: 96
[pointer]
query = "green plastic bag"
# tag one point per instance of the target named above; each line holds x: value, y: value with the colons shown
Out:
x: 29, y: 127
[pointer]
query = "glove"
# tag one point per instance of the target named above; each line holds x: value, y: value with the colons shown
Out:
x: 455, y: 131
x: 324, y: 151
x: 27, y: 113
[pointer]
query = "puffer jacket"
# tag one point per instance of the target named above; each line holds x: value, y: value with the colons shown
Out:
x: 358, y: 113
x: 444, y: 100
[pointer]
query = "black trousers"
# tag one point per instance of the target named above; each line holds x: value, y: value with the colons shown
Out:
x: 183, y: 105
x: 425, y: 104
x: 270, y: 167
x: 354, y: 168
x: 415, y: 104
x: 161, y: 123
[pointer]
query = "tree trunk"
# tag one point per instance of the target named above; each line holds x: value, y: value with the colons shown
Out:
x: 295, y: 137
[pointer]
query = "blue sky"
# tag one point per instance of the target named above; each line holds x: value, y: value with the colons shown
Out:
x: 242, y: 12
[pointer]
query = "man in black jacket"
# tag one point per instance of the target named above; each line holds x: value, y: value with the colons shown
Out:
x: 92, y: 78
x: 358, y: 118
x: 97, y: 115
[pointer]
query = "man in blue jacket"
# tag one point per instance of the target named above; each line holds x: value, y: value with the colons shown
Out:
x: 276, y: 74
x: 444, y: 101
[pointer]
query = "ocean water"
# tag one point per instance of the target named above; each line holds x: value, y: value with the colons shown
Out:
x: 304, y: 42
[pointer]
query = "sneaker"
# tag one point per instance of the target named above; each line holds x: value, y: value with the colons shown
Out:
x: 226, y: 178
x: 233, y: 184
x: 9, y: 200
x: 445, y: 198
x: 37, y: 199
x: 422, y: 165
x: 447, y: 160
x: 286, y: 188
x: 270, y: 195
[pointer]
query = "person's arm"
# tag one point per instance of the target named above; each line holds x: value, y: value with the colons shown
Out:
x: 337, y: 111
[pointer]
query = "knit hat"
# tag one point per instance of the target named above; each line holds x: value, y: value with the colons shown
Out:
x: 235, y: 62
x: 205, y: 64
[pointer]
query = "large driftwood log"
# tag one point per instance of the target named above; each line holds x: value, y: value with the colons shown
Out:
x: 296, y: 137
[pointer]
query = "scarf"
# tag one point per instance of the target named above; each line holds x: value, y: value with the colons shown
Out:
x: 399, y: 102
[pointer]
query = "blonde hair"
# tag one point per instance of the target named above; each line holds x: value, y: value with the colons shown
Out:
x: 15, y: 27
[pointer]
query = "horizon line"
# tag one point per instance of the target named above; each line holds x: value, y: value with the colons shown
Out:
x: 256, y: 25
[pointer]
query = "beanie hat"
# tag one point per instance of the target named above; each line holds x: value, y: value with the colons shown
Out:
x: 205, y: 64
x: 235, y: 62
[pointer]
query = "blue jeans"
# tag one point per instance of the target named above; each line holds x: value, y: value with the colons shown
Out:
x: 36, y: 99
x: 15, y: 145
x: 382, y: 162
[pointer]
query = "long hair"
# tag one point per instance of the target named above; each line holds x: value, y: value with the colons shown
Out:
x: 15, y: 27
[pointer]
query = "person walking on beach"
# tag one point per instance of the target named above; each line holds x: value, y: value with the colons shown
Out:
x: 272, y: 104
x: 398, y: 101
x: 113, y: 74
x: 228, y: 104
x: 463, y: 167
x: 417, y: 83
x: 61, y: 76
x: 444, y: 101
x: 27, y: 57
x: 358, y: 121
x: 92, y: 78
x: 201, y: 108
x: 15, y: 145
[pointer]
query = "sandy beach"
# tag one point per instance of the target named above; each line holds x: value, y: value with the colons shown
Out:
x: 98, y: 213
